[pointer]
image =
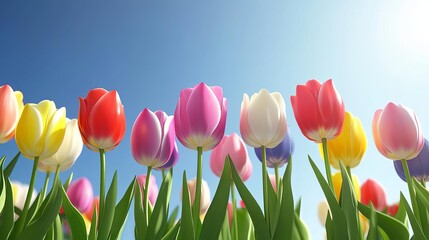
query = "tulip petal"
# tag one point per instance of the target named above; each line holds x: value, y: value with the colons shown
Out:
x: 181, y: 120
x: 219, y: 132
x: 306, y: 112
x: 54, y: 134
x: 203, y: 112
x: 146, y: 137
x: 29, y: 131
x: 280, y: 132
x: 264, y: 116
x: 9, y: 112
x: 245, y: 131
x: 167, y: 144
x: 331, y: 109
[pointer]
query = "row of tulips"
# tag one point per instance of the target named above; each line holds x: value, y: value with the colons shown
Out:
x: 43, y: 133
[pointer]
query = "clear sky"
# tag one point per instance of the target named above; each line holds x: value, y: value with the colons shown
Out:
x: 375, y: 51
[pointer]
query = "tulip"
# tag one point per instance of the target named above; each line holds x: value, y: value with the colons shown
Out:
x: 68, y: 152
x: 152, y: 187
x: 230, y: 213
x: 80, y: 194
x: 418, y: 166
x: 102, y: 123
x: 39, y: 133
x: 200, y: 119
x: 338, y: 182
x: 263, y: 119
x: 398, y: 136
x: 205, y: 194
x: 263, y: 124
x: 19, y: 192
x: 273, y: 181
x: 101, y: 119
x: 200, y: 116
x: 350, y: 146
x: 40, y: 130
x: 323, y: 210
x: 10, y: 110
x: 373, y: 192
x: 319, y: 110
x: 397, y: 133
x: 152, y: 138
x: 233, y: 146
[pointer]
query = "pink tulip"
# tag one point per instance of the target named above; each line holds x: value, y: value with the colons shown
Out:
x: 80, y: 194
x: 10, y: 110
x: 153, y: 187
x: 397, y: 133
x: 246, y: 172
x: 153, y: 138
x: 372, y: 191
x: 319, y: 110
x: 200, y: 116
x: 233, y: 146
x: 273, y: 181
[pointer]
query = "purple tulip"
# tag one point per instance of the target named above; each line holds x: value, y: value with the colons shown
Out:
x: 80, y: 194
x: 418, y: 166
x: 200, y: 116
x: 153, y: 138
x: 278, y: 155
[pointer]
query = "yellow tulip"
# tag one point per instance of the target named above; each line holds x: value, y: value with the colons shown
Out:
x: 350, y: 146
x: 338, y: 182
x: 40, y: 130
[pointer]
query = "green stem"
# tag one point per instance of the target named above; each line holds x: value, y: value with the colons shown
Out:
x: 264, y: 183
x: 45, y: 185
x: 29, y: 195
x: 423, y: 183
x: 327, y: 166
x: 349, y: 172
x: 197, y: 200
x: 276, y: 172
x: 146, y: 191
x: 163, y: 173
x: 102, y: 182
x: 411, y: 189
x: 234, y: 212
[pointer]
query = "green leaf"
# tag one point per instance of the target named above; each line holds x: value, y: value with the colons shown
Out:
x: 329, y: 227
x: 172, y: 233
x: 2, y: 186
x: 273, y: 206
x: 93, y: 229
x: 418, y: 233
x: 58, y: 229
x: 338, y: 218
x: 121, y: 211
x: 45, y: 215
x: 300, y: 230
x: 7, y: 216
x: 225, y: 232
x: 139, y: 216
x: 286, y: 216
x: 109, y: 210
x: 218, y: 208
x: 373, y: 227
x: 401, y: 214
x: 171, y: 222
x: 186, y: 225
x: 349, y: 205
x: 245, y: 227
x: 75, y: 219
x: 298, y: 207
x: 391, y: 226
x: 158, y: 222
x: 422, y: 195
x: 68, y: 181
x: 261, y: 228
x: 9, y: 168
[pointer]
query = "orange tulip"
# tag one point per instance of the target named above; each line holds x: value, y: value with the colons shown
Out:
x: 10, y: 110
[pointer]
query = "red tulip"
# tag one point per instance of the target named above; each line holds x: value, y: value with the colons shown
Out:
x: 319, y: 110
x: 392, y: 209
x: 372, y: 191
x: 101, y: 119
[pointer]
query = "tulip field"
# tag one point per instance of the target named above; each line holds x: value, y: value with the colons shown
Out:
x: 72, y: 210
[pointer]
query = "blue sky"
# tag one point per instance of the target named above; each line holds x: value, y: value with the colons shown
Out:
x: 375, y: 51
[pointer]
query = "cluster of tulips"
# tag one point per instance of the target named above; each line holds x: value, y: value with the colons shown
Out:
x: 44, y: 134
